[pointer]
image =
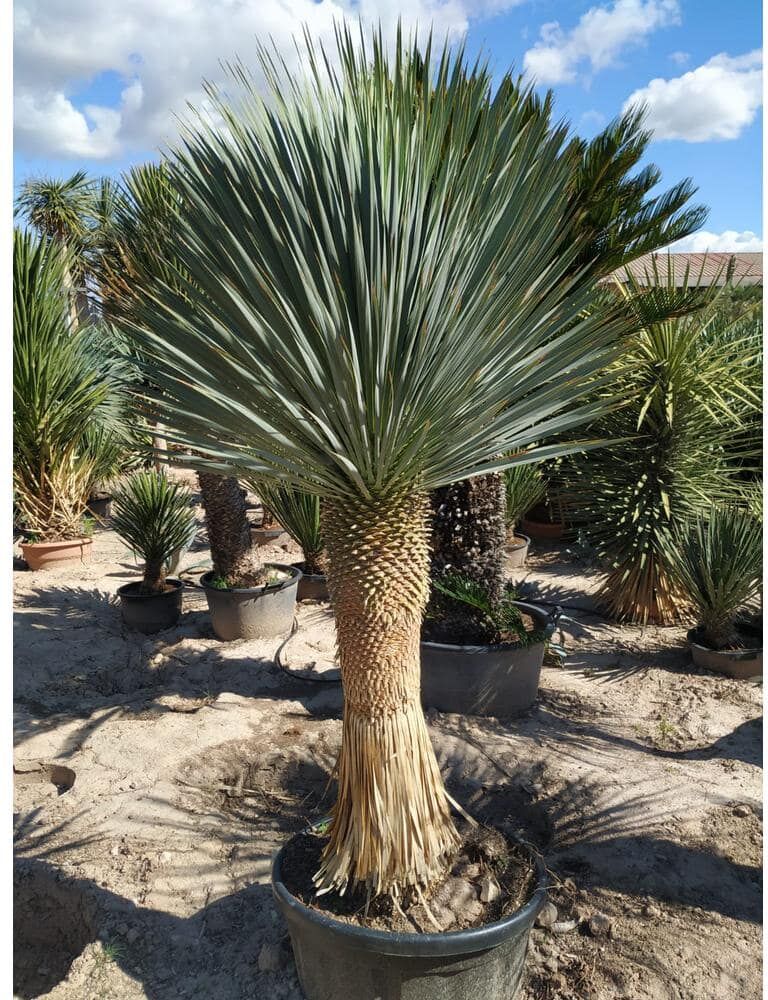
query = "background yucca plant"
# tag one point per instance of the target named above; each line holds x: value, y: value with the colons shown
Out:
x: 717, y: 562
x: 299, y: 513
x: 153, y: 515
x: 524, y: 487
x: 370, y: 306
x: 617, y: 218
x: 685, y: 436
x: 66, y: 381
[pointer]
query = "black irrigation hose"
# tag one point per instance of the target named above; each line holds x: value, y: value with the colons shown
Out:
x: 278, y: 661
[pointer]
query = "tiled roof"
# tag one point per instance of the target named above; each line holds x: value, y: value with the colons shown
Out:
x: 704, y: 268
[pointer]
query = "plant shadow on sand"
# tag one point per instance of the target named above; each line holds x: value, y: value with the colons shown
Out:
x: 104, y: 670
x: 277, y: 788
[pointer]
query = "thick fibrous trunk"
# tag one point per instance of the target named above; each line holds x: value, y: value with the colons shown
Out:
x: 159, y: 446
x: 229, y: 533
x: 154, y: 578
x: 391, y: 824
x: 468, y: 540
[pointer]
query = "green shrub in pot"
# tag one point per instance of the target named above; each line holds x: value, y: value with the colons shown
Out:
x: 154, y: 517
x: 524, y: 487
x: 717, y: 562
x: 66, y: 379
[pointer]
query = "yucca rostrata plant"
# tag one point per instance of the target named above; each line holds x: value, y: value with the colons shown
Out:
x: 717, y: 561
x: 153, y: 515
x: 381, y: 301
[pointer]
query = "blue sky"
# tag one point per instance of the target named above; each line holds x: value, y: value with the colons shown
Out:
x: 96, y: 83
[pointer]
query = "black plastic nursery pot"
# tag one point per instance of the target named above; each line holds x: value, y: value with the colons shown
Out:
x: 150, y: 613
x: 312, y: 586
x: 341, y: 961
x: 100, y: 505
x: 517, y: 551
x: 263, y: 536
x: 741, y: 664
x: 499, y: 680
x: 253, y: 612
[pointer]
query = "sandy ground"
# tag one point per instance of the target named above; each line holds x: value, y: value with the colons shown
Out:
x: 157, y: 775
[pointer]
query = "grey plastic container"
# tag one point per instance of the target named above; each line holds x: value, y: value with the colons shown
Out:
x: 517, y: 551
x: 149, y: 613
x: 741, y: 664
x: 341, y: 961
x: 498, y: 680
x: 253, y: 612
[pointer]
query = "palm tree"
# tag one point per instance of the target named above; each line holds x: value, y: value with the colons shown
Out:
x: 618, y: 220
x: 373, y: 306
x: 60, y: 211
x: 691, y: 380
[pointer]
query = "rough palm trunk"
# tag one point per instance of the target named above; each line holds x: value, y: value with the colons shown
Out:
x: 468, y: 539
x: 229, y: 533
x: 154, y: 578
x: 391, y: 824
x: 159, y: 446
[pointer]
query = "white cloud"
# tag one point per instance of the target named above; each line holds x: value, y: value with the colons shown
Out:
x: 715, y: 101
x: 729, y: 241
x: 680, y: 58
x: 51, y: 123
x: 163, y: 51
x: 597, y: 40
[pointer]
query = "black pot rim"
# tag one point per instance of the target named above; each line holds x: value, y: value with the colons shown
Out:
x: 463, y: 942
x: 126, y: 592
x: 548, y: 624
x: 313, y: 577
x: 694, y: 637
x: 270, y: 588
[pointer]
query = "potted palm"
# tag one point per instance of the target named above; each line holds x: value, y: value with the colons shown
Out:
x: 390, y: 243
x: 153, y: 516
x: 717, y: 562
x: 299, y: 513
x: 524, y: 488
x: 498, y: 673
x: 64, y: 381
x: 481, y: 651
x: 247, y: 598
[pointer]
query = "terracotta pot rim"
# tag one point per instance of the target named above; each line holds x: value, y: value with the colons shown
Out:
x: 83, y: 540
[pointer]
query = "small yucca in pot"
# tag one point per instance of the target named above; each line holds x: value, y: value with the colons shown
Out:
x: 154, y: 517
x: 717, y: 562
x: 299, y: 514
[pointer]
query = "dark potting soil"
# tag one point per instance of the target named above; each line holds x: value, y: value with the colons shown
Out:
x: 454, y: 900
x: 745, y: 636
x: 432, y: 631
